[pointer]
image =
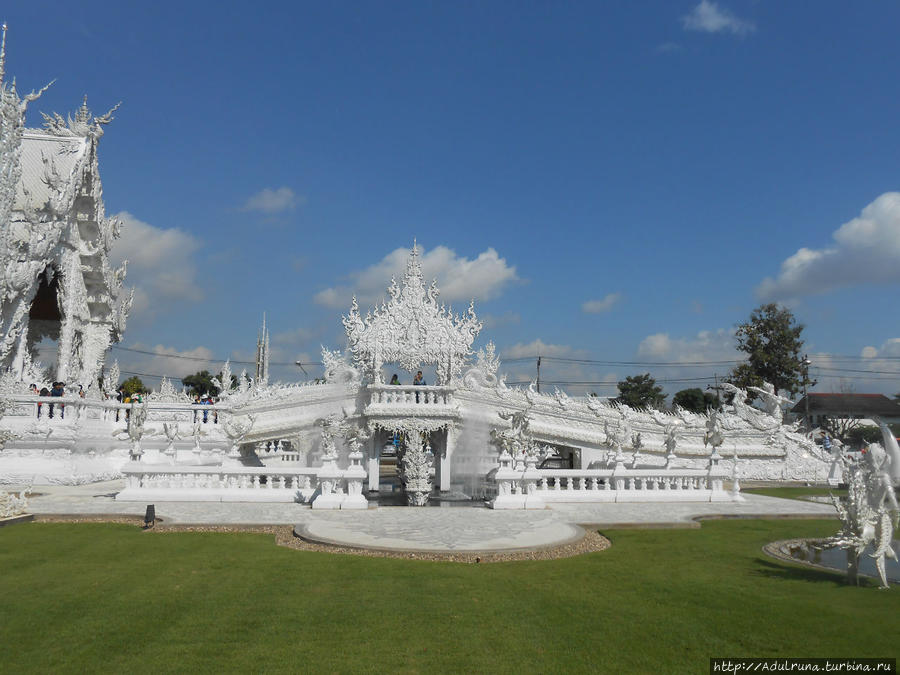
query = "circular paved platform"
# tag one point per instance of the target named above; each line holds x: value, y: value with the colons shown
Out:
x: 427, y: 529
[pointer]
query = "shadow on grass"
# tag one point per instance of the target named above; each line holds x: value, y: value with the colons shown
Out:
x: 772, y: 569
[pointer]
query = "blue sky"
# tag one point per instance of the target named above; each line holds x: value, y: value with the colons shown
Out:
x: 611, y: 181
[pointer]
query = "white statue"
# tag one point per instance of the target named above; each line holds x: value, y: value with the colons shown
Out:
x: 714, y: 436
x: 415, y: 465
x: 670, y: 442
x: 236, y: 432
x: 869, y: 515
x: 171, y: 434
x: 137, y: 417
x: 12, y: 504
x: 771, y: 401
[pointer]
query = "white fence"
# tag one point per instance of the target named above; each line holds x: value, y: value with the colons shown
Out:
x: 331, y: 488
x: 405, y: 394
x: 534, y: 488
x: 59, y: 409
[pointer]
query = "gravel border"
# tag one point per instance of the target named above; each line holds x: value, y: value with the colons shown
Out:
x: 592, y: 541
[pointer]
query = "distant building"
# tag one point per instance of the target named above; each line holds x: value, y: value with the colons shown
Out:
x: 846, y: 408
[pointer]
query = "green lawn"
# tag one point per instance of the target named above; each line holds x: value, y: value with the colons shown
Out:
x: 110, y: 598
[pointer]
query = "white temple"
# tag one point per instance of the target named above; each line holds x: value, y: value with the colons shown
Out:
x: 466, y: 433
x: 55, y: 277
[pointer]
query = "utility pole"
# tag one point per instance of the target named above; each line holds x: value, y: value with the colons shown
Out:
x: 539, y: 375
x: 806, y: 363
x: 717, y: 389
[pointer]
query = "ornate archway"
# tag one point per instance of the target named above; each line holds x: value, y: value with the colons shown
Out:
x: 412, y: 329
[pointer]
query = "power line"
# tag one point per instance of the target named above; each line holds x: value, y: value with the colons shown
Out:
x: 210, y: 360
x: 853, y: 370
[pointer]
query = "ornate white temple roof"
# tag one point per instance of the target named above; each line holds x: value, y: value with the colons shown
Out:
x: 54, y: 235
x: 43, y: 154
x: 412, y: 329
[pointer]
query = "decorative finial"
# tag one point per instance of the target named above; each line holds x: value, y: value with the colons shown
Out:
x: 3, y: 54
x: 415, y: 250
x: 84, y: 113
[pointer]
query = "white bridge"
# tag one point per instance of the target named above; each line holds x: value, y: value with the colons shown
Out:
x: 322, y: 443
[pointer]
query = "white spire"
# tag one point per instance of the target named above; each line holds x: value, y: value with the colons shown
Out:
x: 262, y: 354
x: 3, y: 54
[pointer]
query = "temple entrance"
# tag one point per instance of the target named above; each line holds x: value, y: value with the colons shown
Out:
x: 39, y: 341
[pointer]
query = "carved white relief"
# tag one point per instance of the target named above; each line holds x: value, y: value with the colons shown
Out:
x: 412, y: 330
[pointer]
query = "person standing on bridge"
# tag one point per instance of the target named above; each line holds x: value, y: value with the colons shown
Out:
x: 418, y: 381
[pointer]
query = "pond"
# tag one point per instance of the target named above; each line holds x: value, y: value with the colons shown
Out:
x: 836, y: 558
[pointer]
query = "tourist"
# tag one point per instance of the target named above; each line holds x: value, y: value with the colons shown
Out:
x: 81, y: 392
x: 418, y: 381
x: 395, y: 379
x: 43, y: 392
x: 58, y: 390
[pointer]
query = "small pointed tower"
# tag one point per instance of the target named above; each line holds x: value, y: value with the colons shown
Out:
x: 262, y: 354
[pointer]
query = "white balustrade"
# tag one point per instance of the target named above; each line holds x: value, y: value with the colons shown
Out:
x: 145, y: 482
x: 607, y: 485
x: 408, y: 394
x: 60, y: 409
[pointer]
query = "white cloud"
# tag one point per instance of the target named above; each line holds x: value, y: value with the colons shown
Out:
x: 865, y: 250
x: 708, y: 17
x: 890, y: 348
x: 161, y: 265
x: 599, y: 306
x: 270, y: 202
x: 704, y: 347
x: 458, y: 278
x: 541, y: 348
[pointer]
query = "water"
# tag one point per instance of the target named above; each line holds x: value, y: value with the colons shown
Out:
x: 836, y: 559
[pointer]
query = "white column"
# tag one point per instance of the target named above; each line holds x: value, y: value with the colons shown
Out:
x: 444, y: 462
x: 375, y: 461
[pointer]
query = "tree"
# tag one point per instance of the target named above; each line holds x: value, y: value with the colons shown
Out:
x: 862, y: 435
x: 133, y: 385
x: 200, y: 384
x: 640, y: 391
x: 694, y: 400
x: 771, y: 339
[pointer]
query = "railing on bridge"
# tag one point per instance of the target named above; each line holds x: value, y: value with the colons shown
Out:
x: 58, y: 409
x: 408, y: 394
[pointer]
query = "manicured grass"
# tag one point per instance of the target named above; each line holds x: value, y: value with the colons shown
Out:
x: 796, y: 492
x: 110, y: 598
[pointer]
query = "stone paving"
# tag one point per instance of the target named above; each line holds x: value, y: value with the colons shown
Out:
x: 420, y: 529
